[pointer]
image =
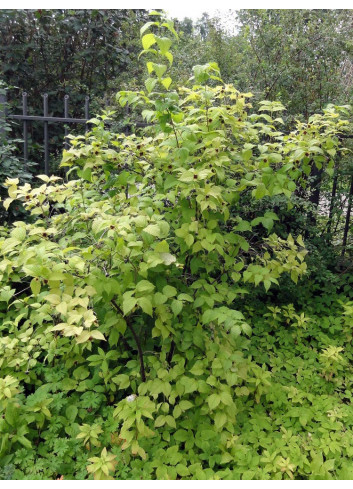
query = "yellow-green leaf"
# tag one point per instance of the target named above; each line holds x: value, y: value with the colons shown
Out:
x: 35, y: 286
x: 166, y: 82
x: 153, y: 229
x: 97, y: 335
x: 148, y: 40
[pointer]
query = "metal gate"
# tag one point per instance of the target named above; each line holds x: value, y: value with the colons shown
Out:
x: 46, y: 119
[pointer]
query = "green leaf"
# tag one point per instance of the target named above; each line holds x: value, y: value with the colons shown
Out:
x: 122, y: 380
x: 62, y: 308
x: 155, y: 13
x: 167, y: 258
x: 220, y: 419
x: 68, y: 384
x: 35, y: 286
x: 246, y: 155
x: 160, y: 299
x: 150, y: 83
x: 185, y: 297
x: 81, y: 373
x: 226, y: 398
x: 150, y: 68
x: 198, y: 368
x: 25, y: 442
x: 169, y: 291
x: 146, y: 305
x: 71, y: 413
x: 260, y: 191
x: 164, y: 44
x: 55, y: 276
x: 153, y: 229
x: 159, y: 69
x: 148, y: 40
x: 213, y: 401
x: 145, y: 27
x: 144, y: 286
x: 6, y: 294
x: 166, y: 82
x: 11, y: 414
x: 97, y: 335
x: 162, y: 247
x: 176, y: 306
x: 128, y: 303
x: 169, y: 57
x: 200, y: 74
x: 226, y: 458
x: 182, y: 470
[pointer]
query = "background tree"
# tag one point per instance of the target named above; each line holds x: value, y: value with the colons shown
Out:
x: 297, y: 56
x: 74, y: 52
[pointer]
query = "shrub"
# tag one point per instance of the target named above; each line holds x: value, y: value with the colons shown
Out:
x: 125, y: 319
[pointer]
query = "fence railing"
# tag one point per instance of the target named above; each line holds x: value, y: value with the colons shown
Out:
x: 46, y: 119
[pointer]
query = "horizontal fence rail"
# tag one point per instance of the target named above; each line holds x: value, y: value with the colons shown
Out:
x: 48, y: 118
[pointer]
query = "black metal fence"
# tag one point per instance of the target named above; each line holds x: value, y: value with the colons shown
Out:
x: 46, y: 119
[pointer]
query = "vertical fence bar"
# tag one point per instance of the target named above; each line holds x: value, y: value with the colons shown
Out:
x: 87, y: 111
x: 46, y: 140
x: 66, y: 115
x: 87, y: 107
x: 25, y: 128
x: 2, y: 115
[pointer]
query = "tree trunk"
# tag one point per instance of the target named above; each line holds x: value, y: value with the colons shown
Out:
x: 332, y: 201
x: 316, y: 184
x: 314, y: 198
x: 348, y: 217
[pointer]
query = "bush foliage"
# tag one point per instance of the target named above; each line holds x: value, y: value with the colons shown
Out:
x: 141, y: 332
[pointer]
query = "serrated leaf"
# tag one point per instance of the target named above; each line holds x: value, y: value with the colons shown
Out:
x: 213, y: 400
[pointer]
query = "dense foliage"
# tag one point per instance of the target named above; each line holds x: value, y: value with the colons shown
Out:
x: 301, y: 57
x: 62, y: 51
x: 65, y: 51
x: 10, y: 163
x: 161, y: 317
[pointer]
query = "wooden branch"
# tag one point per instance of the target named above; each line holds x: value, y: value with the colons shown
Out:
x: 137, y: 340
